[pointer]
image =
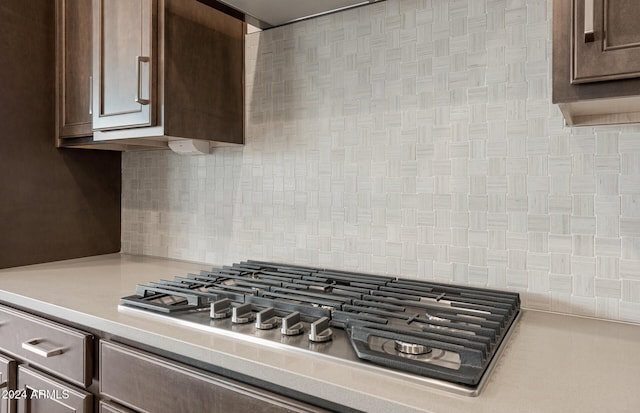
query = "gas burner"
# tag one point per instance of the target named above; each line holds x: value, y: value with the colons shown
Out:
x: 411, y: 348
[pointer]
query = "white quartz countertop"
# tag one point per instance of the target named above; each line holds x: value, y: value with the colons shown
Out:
x: 552, y: 363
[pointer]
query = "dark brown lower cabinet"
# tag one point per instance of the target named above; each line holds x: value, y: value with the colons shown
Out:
x: 48, y: 367
x: 7, y: 384
x: 148, y: 383
x: 40, y: 393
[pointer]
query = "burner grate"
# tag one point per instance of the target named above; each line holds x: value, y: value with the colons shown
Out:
x: 386, y: 319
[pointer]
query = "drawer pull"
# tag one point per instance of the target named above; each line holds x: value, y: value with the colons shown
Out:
x: 32, y: 346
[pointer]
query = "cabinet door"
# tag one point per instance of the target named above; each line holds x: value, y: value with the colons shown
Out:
x: 7, y: 382
x: 124, y: 63
x: 73, y: 68
x: 43, y: 394
x: 606, y: 39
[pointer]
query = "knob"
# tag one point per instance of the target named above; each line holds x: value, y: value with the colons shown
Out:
x: 221, y: 308
x: 320, y: 331
x: 291, y: 325
x: 266, y: 319
x: 242, y: 314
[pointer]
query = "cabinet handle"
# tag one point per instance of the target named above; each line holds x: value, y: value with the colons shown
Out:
x: 90, y: 95
x: 140, y: 59
x: 32, y: 346
x: 589, y: 34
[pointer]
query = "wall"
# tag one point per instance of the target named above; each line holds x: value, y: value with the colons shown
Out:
x: 416, y: 138
x: 54, y: 204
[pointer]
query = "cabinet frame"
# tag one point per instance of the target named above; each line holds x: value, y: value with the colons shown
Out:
x: 66, y: 28
x: 7, y: 382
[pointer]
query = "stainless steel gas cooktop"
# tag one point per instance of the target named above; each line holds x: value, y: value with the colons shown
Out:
x: 442, y: 335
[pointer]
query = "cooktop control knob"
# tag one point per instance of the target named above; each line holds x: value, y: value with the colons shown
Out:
x: 266, y: 319
x: 291, y: 325
x: 242, y: 314
x: 221, y: 309
x: 320, y: 331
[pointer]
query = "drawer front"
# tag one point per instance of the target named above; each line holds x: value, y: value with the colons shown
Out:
x: 43, y: 394
x: 7, y: 382
x: 149, y: 383
x: 64, y: 351
x: 110, y: 407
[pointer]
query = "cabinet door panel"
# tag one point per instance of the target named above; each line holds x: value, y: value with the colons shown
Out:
x: 7, y: 382
x: 47, y: 395
x: 123, y: 64
x: 614, y: 52
x: 73, y: 36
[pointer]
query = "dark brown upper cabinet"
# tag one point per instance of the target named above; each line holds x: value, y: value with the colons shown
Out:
x: 596, y: 61
x: 140, y: 73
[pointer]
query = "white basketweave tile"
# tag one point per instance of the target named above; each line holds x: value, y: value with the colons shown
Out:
x: 538, y: 223
x: 613, y: 247
x: 608, y: 226
x: 518, y: 222
x: 538, y: 262
x: 583, y: 164
x: 630, y: 269
x: 630, y: 184
x: 517, y: 241
x: 559, y: 283
x: 584, y: 266
x: 630, y: 227
x: 517, y: 278
x: 631, y: 291
x: 560, y: 263
x: 607, y: 267
x: 608, y: 288
x: 607, y: 184
x: 629, y: 141
x: 517, y: 203
x: 411, y: 138
x: 630, y: 312
x: 608, y: 307
x: 539, y: 301
x: 583, y: 225
x: 539, y: 242
x: 560, y: 204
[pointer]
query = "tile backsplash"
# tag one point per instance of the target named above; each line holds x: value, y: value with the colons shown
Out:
x: 414, y: 138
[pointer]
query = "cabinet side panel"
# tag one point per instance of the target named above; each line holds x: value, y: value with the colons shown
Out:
x: 204, y: 89
x: 54, y: 203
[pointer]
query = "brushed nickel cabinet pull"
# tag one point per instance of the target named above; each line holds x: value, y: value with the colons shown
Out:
x: 589, y: 34
x: 140, y: 59
x: 32, y: 346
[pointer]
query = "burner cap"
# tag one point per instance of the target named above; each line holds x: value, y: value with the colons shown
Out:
x: 411, y: 348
